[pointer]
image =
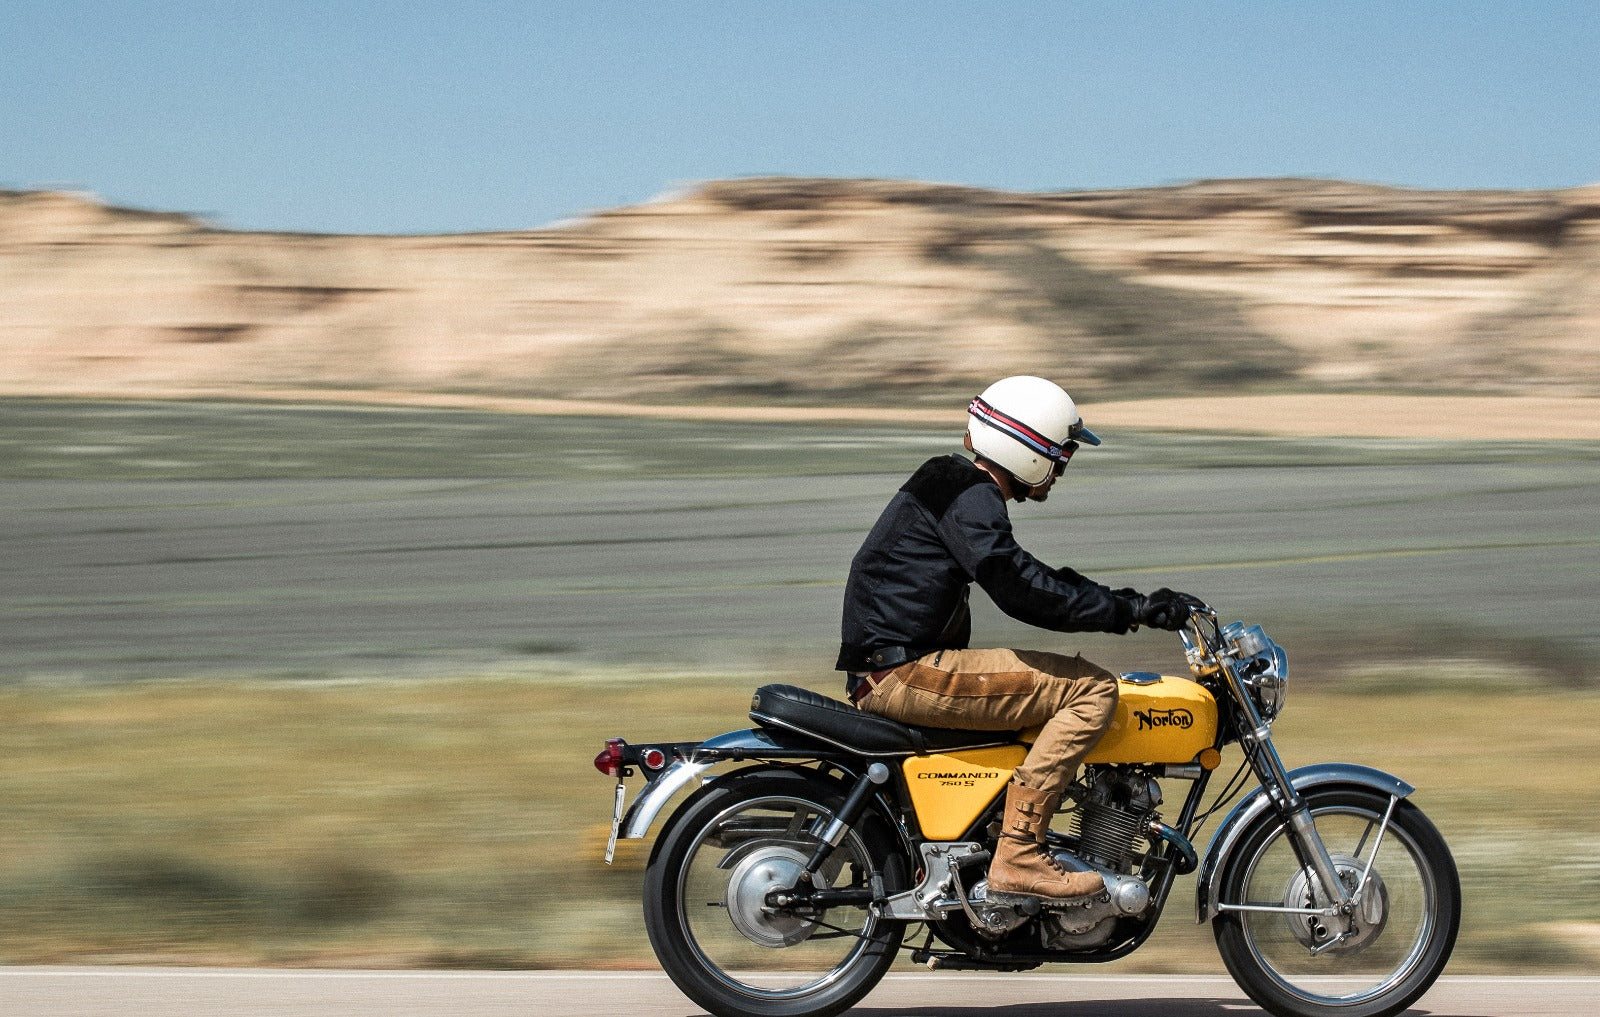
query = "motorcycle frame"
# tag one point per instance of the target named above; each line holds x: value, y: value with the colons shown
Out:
x: 1279, y: 790
x: 892, y: 802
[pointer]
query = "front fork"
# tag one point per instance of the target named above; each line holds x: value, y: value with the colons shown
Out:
x: 1337, y: 906
x: 1342, y: 903
x: 1297, y: 815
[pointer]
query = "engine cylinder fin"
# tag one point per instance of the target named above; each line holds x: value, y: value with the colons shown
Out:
x: 1106, y: 834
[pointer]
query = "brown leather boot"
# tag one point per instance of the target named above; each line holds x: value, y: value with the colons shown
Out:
x: 1021, y: 866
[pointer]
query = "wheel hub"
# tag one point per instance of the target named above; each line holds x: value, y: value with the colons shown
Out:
x: 1365, y: 925
x: 759, y: 873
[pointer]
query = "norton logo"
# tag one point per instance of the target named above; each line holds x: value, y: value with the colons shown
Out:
x: 1164, y: 718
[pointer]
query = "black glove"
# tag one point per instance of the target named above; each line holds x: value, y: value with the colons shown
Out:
x: 1163, y: 609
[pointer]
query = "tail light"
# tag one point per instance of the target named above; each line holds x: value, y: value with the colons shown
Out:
x: 609, y: 761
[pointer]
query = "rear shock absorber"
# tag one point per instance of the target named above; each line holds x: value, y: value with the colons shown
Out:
x: 833, y: 835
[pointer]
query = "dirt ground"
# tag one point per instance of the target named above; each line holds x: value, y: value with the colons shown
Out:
x: 1464, y: 418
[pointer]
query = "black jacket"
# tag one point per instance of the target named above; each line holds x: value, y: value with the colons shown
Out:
x: 944, y: 530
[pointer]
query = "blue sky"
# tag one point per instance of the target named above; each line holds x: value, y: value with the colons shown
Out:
x: 407, y: 117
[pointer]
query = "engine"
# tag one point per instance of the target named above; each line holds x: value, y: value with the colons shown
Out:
x: 1115, y: 808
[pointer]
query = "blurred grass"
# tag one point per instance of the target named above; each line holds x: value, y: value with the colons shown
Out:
x: 459, y: 822
x: 415, y: 822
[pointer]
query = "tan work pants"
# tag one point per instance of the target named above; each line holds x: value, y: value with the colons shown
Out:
x: 1006, y: 690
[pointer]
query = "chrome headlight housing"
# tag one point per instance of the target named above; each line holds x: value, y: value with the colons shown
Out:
x: 1262, y: 665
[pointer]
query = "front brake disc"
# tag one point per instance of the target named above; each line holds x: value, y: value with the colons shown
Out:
x: 1371, y: 915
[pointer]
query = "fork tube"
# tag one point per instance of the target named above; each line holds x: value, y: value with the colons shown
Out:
x: 1269, y: 767
x: 1305, y: 830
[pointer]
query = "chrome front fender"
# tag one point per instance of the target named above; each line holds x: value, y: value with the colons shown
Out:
x: 1306, y: 778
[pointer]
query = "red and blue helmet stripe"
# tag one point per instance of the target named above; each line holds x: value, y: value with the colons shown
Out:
x: 1055, y: 451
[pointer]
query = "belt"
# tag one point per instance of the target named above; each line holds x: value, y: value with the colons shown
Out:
x: 863, y: 683
x: 892, y: 656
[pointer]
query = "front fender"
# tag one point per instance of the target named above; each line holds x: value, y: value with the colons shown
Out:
x: 1316, y: 776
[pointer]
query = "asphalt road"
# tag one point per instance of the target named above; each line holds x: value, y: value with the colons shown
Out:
x: 177, y: 992
x: 326, y: 577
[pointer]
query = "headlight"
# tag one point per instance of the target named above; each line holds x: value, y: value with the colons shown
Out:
x: 1269, y: 681
x: 1263, y: 665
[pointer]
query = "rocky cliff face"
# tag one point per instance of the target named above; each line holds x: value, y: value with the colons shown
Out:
x: 794, y: 290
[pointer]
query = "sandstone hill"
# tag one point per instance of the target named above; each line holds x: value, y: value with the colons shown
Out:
x: 827, y: 291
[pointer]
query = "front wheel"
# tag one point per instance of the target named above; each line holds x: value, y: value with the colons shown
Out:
x: 1374, y: 962
x: 706, y: 900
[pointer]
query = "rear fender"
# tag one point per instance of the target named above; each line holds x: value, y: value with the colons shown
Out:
x: 654, y: 797
x: 734, y: 746
x: 1318, y: 776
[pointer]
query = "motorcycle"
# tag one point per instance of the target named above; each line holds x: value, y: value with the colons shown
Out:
x: 787, y: 886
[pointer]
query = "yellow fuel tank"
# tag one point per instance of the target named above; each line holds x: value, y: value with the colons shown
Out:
x: 1160, y: 719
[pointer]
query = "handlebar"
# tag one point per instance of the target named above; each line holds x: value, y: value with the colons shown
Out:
x: 1197, y: 647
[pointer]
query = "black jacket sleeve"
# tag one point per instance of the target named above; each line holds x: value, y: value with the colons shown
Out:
x: 978, y: 533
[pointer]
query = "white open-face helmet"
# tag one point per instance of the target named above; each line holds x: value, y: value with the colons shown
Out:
x: 1027, y: 426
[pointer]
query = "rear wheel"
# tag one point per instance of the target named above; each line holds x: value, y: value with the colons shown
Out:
x: 706, y: 888
x: 1372, y: 963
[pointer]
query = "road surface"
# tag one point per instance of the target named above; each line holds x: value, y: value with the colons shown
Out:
x: 181, y: 992
x: 311, y: 578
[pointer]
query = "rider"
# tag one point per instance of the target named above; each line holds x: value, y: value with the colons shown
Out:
x: 907, y: 624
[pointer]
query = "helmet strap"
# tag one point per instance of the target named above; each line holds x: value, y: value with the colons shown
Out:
x: 1009, y: 484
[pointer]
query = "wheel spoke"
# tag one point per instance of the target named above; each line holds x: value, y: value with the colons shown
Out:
x: 1389, y: 944
x: 773, y: 954
x: 1363, y: 841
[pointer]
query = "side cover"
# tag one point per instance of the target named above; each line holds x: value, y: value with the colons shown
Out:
x: 951, y: 789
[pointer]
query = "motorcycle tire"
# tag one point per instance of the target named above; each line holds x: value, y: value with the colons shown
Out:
x: 706, y: 884
x: 1396, y: 950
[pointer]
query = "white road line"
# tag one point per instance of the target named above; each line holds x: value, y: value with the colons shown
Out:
x: 325, y: 973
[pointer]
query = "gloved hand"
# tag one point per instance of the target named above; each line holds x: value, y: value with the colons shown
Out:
x: 1163, y: 609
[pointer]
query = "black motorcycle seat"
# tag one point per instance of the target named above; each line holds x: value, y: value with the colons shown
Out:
x: 790, y: 708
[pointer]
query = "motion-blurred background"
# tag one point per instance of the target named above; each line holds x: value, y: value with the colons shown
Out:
x: 395, y: 403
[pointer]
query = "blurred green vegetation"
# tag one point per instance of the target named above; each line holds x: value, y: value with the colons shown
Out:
x: 460, y: 822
